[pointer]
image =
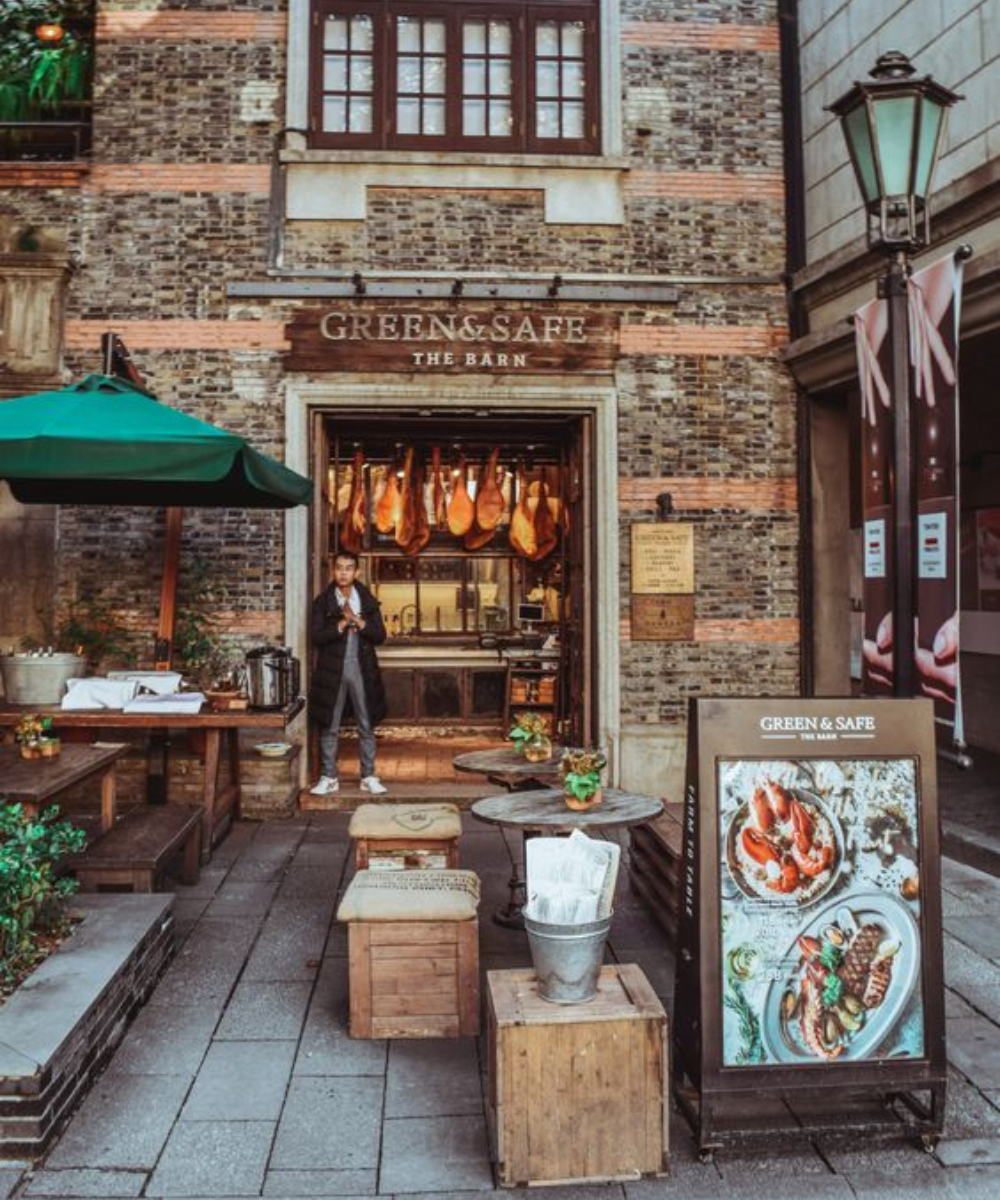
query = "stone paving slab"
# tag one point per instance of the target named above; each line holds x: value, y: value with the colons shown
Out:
x: 124, y: 1122
x: 238, y: 899
x: 312, y: 882
x: 320, y: 1183
x: 10, y: 1177
x: 242, y: 1081
x: 433, y: 1078
x: 325, y: 1047
x: 165, y: 1041
x: 968, y: 1113
x: 330, y: 1124
x: 974, y: 1047
x: 969, y: 1152
x: 288, y: 950
x: 956, y: 1183
x: 974, y: 978
x: 208, y: 964
x: 82, y: 1182
x: 213, y: 1158
x: 435, y: 1154
x: 981, y: 934
x: 265, y: 1011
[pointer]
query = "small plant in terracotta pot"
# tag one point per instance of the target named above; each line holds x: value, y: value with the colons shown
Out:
x: 580, y: 770
x: 35, y: 736
x: 530, y: 735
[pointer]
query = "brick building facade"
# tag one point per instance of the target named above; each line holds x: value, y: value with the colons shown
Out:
x: 200, y: 227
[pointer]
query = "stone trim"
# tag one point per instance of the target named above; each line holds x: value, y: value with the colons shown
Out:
x: 694, y: 494
x: 673, y: 35
x: 778, y: 629
x: 43, y: 175
x: 721, y: 186
x: 60, y: 1027
x: 710, y: 341
x: 145, y: 178
x: 186, y: 25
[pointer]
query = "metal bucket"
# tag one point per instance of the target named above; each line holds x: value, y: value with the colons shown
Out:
x: 39, y: 679
x: 567, y: 958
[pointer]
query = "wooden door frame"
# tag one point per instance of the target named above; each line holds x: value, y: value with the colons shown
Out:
x: 562, y: 396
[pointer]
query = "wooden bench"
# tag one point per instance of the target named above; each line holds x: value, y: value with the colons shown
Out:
x: 655, y: 873
x: 132, y: 855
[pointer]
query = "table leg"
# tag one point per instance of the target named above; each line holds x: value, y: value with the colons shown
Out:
x: 233, y: 740
x: 210, y: 790
x: 109, y: 799
x: 511, y: 915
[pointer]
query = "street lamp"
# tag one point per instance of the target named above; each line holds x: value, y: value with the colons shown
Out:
x: 893, y: 127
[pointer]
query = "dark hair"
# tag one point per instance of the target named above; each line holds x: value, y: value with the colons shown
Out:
x: 348, y: 554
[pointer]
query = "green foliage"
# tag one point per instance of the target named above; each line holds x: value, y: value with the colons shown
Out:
x: 198, y: 650
x: 37, y: 78
x: 31, y: 895
x: 751, y: 1047
x: 88, y: 628
x: 581, y: 769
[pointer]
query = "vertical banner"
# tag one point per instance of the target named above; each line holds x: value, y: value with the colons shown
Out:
x: 934, y: 310
x: 871, y: 324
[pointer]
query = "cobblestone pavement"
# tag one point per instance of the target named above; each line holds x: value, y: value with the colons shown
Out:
x: 239, y: 1079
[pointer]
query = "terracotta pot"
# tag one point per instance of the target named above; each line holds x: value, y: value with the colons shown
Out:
x: 48, y: 748
x: 578, y: 805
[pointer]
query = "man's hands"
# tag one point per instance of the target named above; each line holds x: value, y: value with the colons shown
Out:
x: 349, y: 617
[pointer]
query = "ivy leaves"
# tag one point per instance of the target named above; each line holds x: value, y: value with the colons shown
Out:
x: 36, y: 77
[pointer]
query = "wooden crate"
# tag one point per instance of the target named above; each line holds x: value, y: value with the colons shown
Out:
x: 576, y: 1092
x: 414, y: 978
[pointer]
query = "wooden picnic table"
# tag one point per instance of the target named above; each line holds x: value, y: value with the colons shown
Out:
x: 222, y: 740
x: 33, y: 782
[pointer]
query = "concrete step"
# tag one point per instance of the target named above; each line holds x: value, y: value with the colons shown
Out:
x: 431, y: 791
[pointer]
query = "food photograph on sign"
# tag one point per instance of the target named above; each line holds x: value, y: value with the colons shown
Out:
x: 820, y: 911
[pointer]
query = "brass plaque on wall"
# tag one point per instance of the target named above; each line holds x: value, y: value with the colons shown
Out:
x: 662, y: 618
x: 662, y: 559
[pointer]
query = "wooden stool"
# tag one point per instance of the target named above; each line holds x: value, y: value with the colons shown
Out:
x: 405, y: 835
x: 414, y: 953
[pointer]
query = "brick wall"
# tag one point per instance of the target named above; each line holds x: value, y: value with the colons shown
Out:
x: 189, y: 100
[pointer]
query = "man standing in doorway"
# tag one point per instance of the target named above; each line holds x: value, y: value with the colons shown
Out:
x: 346, y: 627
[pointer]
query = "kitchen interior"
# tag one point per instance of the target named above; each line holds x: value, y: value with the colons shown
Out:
x: 472, y: 541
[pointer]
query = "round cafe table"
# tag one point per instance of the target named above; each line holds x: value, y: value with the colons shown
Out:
x: 506, y: 767
x: 544, y: 811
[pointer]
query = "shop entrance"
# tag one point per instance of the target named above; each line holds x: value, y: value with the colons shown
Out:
x: 475, y: 531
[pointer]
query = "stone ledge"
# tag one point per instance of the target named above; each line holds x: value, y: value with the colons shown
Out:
x: 60, y: 1027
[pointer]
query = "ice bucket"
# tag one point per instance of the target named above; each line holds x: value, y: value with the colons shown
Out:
x: 39, y: 679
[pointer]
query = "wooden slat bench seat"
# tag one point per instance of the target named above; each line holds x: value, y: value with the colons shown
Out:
x: 132, y: 855
x: 655, y: 871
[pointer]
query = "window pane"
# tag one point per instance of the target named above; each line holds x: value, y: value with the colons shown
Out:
x: 408, y: 33
x: 573, y: 119
x: 335, y: 73
x: 474, y: 76
x: 547, y: 38
x: 361, y: 74
x: 335, y: 34
x: 500, y: 77
x: 474, y: 118
x: 361, y: 33
x: 474, y: 37
x: 547, y: 79
x: 491, y: 581
x: 501, y: 118
x: 408, y: 116
x: 572, y: 79
x: 408, y: 76
x: 499, y: 37
x: 434, y: 122
x: 434, y: 76
x: 547, y: 119
x: 572, y: 39
x: 361, y: 114
x: 334, y: 114
x: 434, y: 34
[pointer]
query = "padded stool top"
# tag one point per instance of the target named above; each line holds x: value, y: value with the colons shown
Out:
x: 384, y: 821
x: 411, y: 896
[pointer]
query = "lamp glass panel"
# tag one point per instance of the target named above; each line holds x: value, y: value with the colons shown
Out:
x: 931, y: 119
x: 859, y: 139
x: 895, y: 125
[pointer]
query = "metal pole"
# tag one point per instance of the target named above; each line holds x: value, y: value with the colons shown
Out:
x: 904, y: 664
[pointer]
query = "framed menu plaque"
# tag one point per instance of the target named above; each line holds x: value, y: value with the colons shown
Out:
x: 810, y: 975
x: 662, y: 558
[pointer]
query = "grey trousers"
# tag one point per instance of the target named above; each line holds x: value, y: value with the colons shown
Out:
x: 351, y: 686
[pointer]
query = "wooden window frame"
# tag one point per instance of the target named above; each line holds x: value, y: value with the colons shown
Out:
x: 523, y: 16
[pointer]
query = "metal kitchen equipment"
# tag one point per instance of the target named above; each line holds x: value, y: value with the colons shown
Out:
x: 272, y: 677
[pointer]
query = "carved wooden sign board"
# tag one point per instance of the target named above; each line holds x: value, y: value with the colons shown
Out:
x: 453, y: 339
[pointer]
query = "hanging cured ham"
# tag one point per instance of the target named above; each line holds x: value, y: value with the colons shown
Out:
x: 522, y: 526
x: 387, y: 511
x: 437, y: 483
x: 407, y: 524
x: 544, y: 527
x: 421, y: 534
x: 489, y: 497
x: 461, y: 510
x: 354, y: 521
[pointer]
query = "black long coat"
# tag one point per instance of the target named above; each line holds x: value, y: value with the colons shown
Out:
x: 331, y: 646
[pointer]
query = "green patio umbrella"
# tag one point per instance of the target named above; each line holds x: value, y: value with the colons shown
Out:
x: 105, y: 441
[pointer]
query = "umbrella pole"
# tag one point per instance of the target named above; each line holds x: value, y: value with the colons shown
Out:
x: 168, y: 590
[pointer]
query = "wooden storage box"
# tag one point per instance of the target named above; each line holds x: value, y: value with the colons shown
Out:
x: 576, y: 1092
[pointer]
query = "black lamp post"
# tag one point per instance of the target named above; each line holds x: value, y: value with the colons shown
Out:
x: 893, y: 129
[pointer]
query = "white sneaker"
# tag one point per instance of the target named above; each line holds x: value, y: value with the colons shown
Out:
x: 326, y: 786
x: 373, y: 785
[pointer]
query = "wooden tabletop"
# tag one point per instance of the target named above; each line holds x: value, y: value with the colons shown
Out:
x: 34, y: 780
x: 111, y: 718
x: 507, y: 767
x: 545, y: 811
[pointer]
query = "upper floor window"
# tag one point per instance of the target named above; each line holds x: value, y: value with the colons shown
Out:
x: 515, y: 76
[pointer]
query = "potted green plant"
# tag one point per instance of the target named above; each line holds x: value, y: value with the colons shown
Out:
x: 580, y: 770
x: 34, y: 735
x: 530, y: 735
